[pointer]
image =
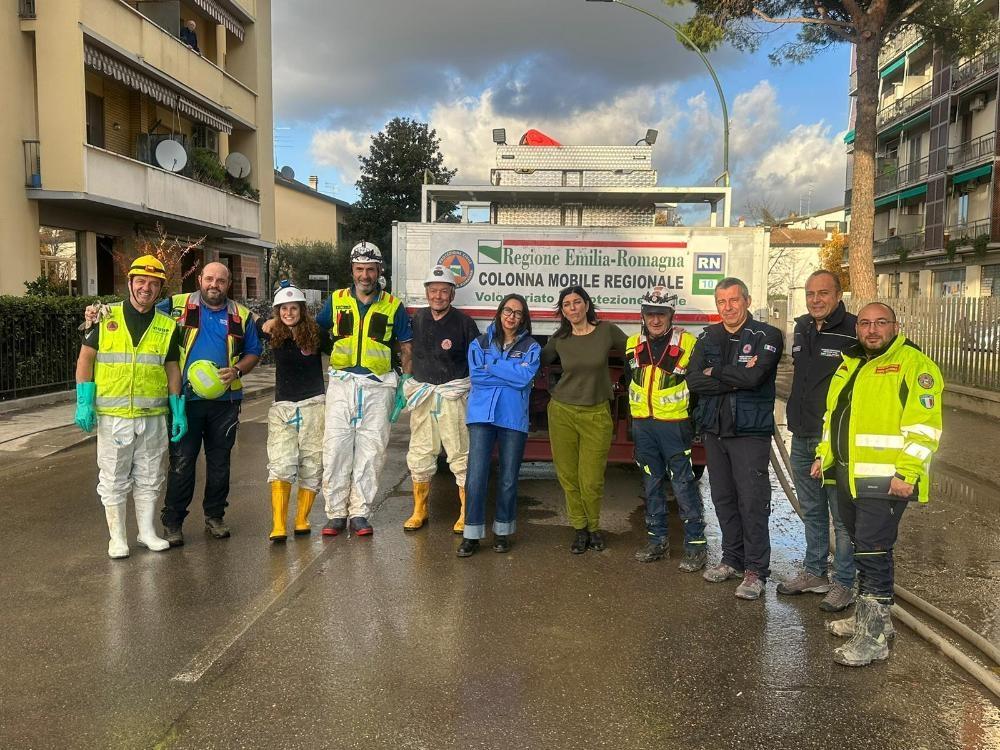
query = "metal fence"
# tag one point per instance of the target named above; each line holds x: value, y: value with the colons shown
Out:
x: 961, y: 334
x: 40, y: 357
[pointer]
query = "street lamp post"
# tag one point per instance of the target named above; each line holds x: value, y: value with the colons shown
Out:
x: 718, y: 86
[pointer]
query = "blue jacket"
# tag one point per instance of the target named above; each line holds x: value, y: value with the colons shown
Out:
x: 501, y: 381
x: 750, y: 389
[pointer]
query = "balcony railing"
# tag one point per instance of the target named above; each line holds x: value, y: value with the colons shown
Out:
x: 978, y: 66
x: 904, y: 105
x: 893, y: 177
x: 897, y: 45
x: 32, y: 164
x: 966, y: 231
x: 852, y: 81
x: 26, y: 8
x: 978, y: 149
x: 891, y: 247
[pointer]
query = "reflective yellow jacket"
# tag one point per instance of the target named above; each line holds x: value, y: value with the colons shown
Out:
x: 369, y: 346
x: 653, y: 391
x: 131, y: 380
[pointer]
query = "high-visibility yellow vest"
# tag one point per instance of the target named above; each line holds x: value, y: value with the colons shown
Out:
x: 131, y: 380
x: 369, y: 346
x: 186, y: 310
x: 656, y: 392
x: 895, y: 422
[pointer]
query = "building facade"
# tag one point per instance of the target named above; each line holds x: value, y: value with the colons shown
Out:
x: 301, y: 212
x: 95, y: 88
x: 937, y: 207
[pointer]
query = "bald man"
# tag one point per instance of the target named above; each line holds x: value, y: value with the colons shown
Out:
x: 218, y: 329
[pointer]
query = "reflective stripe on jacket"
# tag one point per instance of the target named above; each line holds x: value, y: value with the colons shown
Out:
x: 369, y: 347
x: 660, y: 393
x: 131, y: 380
x: 895, y: 419
x: 186, y: 310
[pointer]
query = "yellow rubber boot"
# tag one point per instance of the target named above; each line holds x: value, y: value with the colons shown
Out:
x: 459, y: 526
x: 421, y: 490
x: 303, y: 504
x: 280, y: 491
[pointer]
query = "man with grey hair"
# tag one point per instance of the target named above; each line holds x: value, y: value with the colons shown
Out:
x: 732, y: 369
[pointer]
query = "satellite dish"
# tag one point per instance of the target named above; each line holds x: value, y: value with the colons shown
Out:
x: 288, y: 173
x: 237, y: 165
x: 171, y: 155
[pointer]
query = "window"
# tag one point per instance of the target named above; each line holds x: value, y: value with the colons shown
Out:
x: 95, y: 120
x: 963, y: 209
x: 57, y: 250
x: 949, y: 282
x: 989, y: 283
x: 251, y: 287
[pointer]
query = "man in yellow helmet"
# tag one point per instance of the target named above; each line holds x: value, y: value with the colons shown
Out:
x: 127, y: 380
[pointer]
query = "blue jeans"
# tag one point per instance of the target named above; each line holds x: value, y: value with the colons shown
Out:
x: 662, y: 447
x: 819, y: 503
x: 482, y: 438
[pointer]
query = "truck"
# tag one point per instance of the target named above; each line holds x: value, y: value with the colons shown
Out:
x: 559, y: 216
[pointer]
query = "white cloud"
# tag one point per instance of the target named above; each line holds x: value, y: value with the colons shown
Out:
x: 340, y: 149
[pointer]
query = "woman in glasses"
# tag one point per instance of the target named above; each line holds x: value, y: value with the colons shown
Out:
x: 579, y: 411
x: 502, y: 366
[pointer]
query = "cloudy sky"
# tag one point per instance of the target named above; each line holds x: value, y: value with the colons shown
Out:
x: 585, y: 73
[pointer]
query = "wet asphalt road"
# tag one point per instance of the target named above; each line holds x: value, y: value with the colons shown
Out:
x: 391, y: 641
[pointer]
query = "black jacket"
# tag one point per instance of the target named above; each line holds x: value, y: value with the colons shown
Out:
x: 816, y: 355
x: 751, y: 388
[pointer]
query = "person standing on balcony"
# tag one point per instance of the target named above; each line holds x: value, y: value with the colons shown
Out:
x: 128, y: 380
x: 881, y: 427
x: 732, y: 369
x: 438, y: 394
x: 579, y: 411
x: 365, y: 322
x: 189, y: 34
x: 826, y: 330
x: 657, y: 360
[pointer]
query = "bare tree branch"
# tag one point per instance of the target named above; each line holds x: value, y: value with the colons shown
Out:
x: 802, y: 19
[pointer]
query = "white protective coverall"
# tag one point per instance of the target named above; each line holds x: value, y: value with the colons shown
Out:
x: 437, y: 418
x: 131, y: 456
x: 357, y: 432
x: 295, y: 442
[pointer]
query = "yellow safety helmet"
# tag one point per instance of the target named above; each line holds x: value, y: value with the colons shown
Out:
x: 148, y: 265
x: 204, y: 378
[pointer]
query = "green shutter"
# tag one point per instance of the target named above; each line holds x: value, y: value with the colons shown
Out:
x: 849, y: 138
x: 893, y: 66
x: 902, y: 196
x: 971, y: 174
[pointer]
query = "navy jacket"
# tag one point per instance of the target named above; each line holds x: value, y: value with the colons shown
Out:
x: 816, y: 355
x: 751, y: 389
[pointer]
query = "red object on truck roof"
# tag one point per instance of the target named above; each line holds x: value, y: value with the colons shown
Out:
x: 538, y: 138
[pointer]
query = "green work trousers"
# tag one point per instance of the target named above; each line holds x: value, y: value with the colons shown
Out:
x: 581, y: 438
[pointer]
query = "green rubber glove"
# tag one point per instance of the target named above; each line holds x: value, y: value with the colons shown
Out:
x: 178, y: 419
x: 86, y: 398
x: 400, y: 398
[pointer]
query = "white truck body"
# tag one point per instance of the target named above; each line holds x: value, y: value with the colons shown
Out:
x: 616, y: 265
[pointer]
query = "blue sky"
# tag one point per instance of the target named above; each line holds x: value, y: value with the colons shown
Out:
x: 582, y: 72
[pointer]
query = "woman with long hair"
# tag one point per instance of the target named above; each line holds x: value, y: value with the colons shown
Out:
x: 296, y: 418
x: 579, y: 410
x: 502, y: 366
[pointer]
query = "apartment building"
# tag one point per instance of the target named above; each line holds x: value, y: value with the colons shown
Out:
x: 301, y: 212
x: 937, y: 207
x: 127, y: 115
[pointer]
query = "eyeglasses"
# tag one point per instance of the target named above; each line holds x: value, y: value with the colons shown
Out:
x: 880, y: 323
x: 516, y: 314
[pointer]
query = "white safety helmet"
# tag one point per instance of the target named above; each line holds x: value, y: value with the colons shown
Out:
x: 440, y: 275
x: 366, y: 252
x: 288, y: 293
x: 658, y: 299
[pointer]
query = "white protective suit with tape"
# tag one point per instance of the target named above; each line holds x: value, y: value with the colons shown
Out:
x: 295, y: 442
x: 131, y: 456
x: 358, y: 408
x: 437, y: 418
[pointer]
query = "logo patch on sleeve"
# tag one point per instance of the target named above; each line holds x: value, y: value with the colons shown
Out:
x: 770, y: 348
x: 925, y: 380
x: 927, y: 401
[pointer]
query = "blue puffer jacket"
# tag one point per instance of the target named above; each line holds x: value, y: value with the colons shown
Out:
x: 501, y: 381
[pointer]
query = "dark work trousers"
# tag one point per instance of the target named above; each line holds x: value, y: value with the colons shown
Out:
x: 873, y: 525
x: 215, y: 423
x: 741, y: 493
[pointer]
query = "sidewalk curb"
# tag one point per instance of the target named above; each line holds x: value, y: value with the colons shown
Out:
x: 30, y: 402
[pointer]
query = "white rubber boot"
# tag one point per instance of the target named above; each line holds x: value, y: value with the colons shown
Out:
x: 118, y: 546
x: 147, y: 536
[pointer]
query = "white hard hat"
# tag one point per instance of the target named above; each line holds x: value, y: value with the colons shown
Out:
x: 658, y: 299
x: 440, y: 275
x: 288, y: 293
x: 365, y: 252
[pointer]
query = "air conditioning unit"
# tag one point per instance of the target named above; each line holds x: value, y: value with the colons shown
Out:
x: 202, y: 136
x: 978, y: 103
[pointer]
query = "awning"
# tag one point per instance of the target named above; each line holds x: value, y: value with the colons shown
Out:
x: 222, y: 16
x: 901, y: 196
x: 971, y: 174
x: 188, y: 107
x: 849, y: 138
x: 905, y: 125
x: 893, y: 66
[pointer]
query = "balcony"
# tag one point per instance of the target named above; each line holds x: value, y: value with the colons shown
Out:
x: 852, y: 82
x: 898, y: 44
x: 904, y: 105
x: 32, y: 164
x: 898, y: 246
x: 893, y: 177
x: 964, y: 232
x: 26, y: 8
x: 159, y: 53
x: 972, y: 70
x: 971, y: 152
